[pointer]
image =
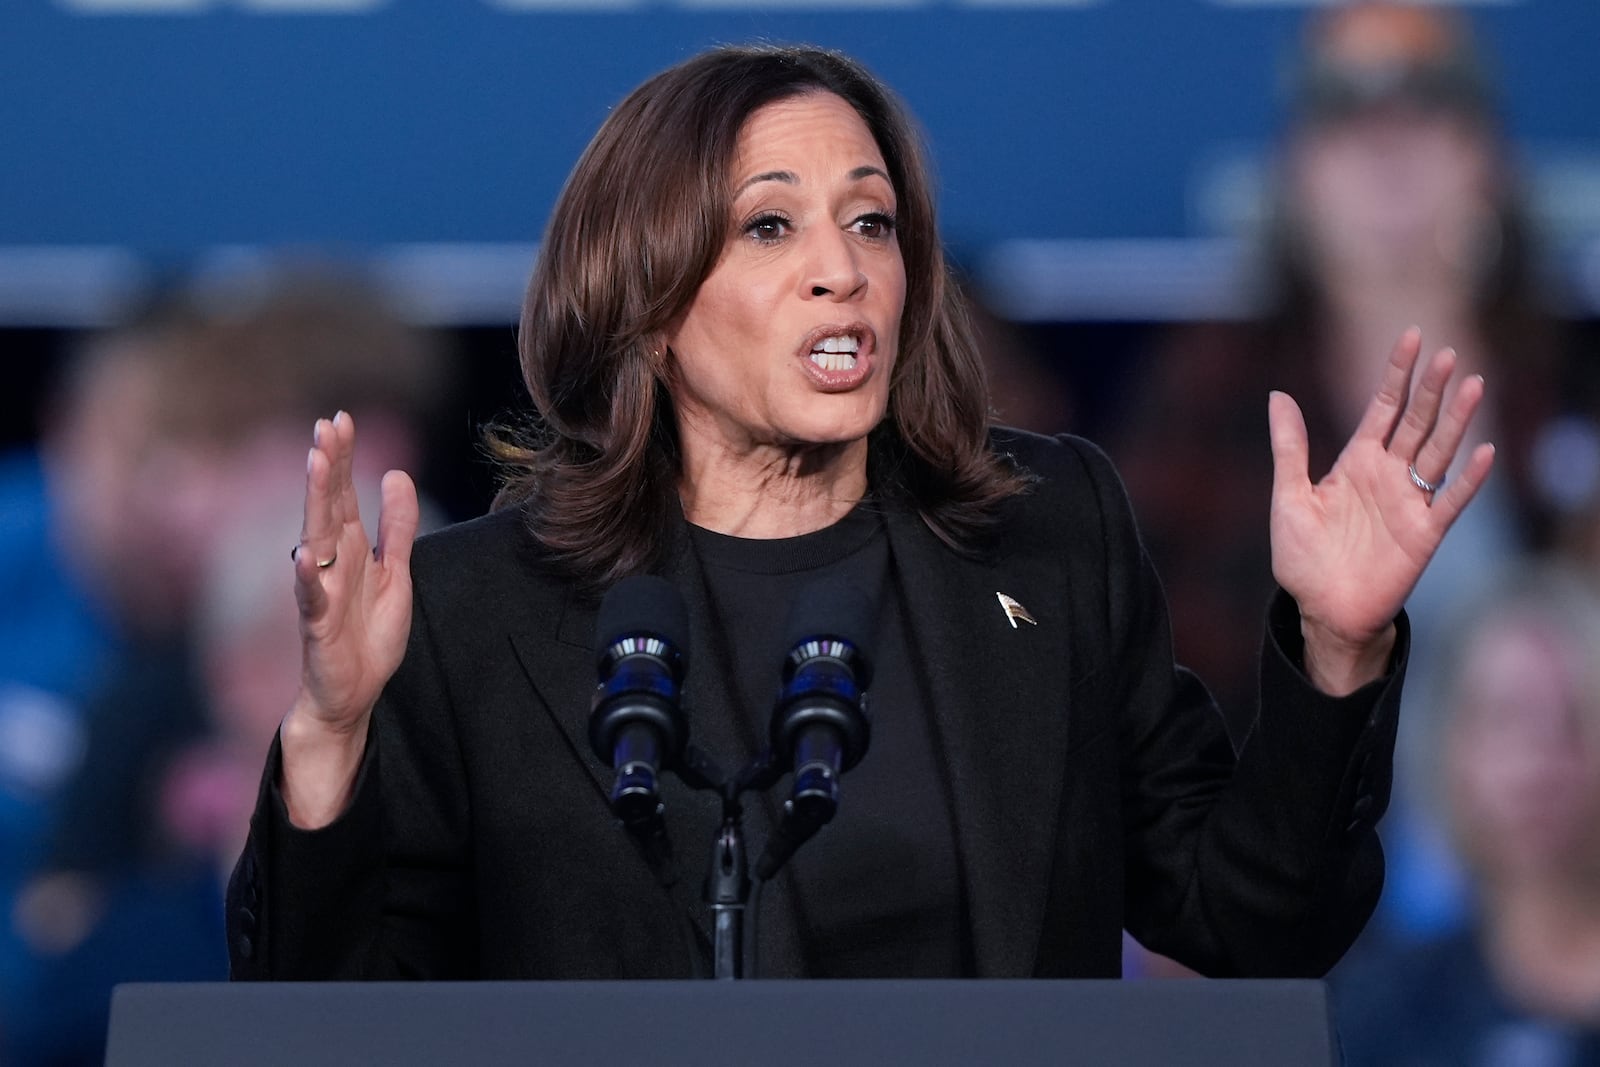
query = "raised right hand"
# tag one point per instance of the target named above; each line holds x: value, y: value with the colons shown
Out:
x: 355, y: 615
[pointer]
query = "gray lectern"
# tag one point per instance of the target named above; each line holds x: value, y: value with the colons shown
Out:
x: 764, y: 1023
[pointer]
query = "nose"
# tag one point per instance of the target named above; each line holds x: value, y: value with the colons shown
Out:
x: 833, y: 267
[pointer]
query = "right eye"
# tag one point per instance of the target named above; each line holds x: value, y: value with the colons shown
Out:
x: 767, y: 229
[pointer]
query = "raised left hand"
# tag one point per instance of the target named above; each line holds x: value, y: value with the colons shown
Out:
x: 1351, y: 547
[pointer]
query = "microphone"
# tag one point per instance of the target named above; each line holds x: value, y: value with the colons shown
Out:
x: 635, y: 724
x: 819, y: 724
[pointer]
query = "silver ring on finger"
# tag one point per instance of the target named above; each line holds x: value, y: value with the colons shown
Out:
x: 322, y: 564
x: 1422, y: 483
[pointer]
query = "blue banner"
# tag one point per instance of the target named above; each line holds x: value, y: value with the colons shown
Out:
x: 168, y: 127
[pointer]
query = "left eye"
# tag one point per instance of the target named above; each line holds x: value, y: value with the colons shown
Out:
x: 876, y: 225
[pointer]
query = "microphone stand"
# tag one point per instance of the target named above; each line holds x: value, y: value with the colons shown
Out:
x: 728, y: 891
x: 727, y: 884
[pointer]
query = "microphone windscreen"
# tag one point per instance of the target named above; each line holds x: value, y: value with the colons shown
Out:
x: 833, y: 608
x: 643, y: 604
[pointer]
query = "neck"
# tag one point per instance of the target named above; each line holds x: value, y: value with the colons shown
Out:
x: 770, y: 491
x: 1366, y: 315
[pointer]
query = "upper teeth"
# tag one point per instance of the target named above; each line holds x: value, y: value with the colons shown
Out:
x: 837, y: 344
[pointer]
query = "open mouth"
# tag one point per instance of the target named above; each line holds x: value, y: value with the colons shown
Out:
x: 840, y: 354
x: 836, y: 353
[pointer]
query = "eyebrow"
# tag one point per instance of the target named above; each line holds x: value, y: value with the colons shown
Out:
x: 789, y: 177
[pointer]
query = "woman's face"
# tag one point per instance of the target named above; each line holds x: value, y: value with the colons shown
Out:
x: 792, y: 338
x: 1392, y: 190
x: 1523, y: 773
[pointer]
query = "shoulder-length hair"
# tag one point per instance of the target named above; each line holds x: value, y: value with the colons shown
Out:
x: 641, y: 222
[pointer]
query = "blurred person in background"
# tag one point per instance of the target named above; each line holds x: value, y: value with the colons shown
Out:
x: 1025, y: 390
x: 1517, y: 771
x: 75, y: 608
x: 204, y: 415
x: 1028, y: 388
x: 159, y: 917
x: 1395, y: 205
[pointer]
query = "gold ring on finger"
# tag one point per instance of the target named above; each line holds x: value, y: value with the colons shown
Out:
x: 322, y: 564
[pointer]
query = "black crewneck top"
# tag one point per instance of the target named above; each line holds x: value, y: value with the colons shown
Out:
x: 877, y: 893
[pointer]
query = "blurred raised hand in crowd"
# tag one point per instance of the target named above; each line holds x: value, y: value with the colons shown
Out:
x: 174, y: 444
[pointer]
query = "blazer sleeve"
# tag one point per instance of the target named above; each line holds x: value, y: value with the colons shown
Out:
x: 384, y: 890
x: 1264, y: 863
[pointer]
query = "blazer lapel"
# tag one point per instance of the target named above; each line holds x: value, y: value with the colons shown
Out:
x: 558, y: 658
x: 996, y: 684
x: 557, y: 654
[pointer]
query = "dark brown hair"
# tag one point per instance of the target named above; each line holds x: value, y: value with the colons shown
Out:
x: 640, y: 224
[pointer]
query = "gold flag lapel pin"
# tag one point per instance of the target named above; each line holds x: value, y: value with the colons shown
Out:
x: 1014, y: 611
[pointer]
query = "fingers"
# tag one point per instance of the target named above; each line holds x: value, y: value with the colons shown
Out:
x: 308, y: 591
x: 1455, y: 496
x: 329, y: 505
x: 1383, y: 411
x: 330, y: 487
x: 1410, y: 424
x: 1438, y: 452
x: 397, y: 521
x: 319, y: 529
x: 1421, y: 414
x: 316, y: 539
x: 343, y: 450
x: 1291, y: 453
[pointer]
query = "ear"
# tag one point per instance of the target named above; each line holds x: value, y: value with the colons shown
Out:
x: 658, y: 354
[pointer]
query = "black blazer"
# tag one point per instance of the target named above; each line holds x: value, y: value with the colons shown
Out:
x: 1096, y: 785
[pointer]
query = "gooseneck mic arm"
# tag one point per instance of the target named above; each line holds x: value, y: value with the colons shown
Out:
x: 819, y: 730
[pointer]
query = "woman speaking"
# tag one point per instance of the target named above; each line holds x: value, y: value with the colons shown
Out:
x: 752, y: 373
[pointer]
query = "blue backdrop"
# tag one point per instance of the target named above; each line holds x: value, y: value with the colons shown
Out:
x: 456, y: 120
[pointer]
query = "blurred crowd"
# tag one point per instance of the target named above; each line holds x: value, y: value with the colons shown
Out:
x: 1395, y: 202
x: 150, y: 648
x: 151, y: 643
